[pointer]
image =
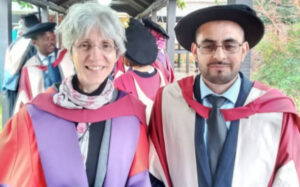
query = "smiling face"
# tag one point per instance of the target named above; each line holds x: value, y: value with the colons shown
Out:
x: 94, y: 57
x: 45, y: 42
x: 219, y: 67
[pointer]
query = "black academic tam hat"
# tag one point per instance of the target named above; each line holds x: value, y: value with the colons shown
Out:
x: 152, y: 25
x: 141, y: 47
x: 30, y: 20
x: 241, y: 14
x: 39, y: 28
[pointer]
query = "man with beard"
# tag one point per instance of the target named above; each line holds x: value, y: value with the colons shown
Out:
x: 47, y: 67
x: 219, y: 128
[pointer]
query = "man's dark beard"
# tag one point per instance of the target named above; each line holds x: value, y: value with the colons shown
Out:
x: 219, y: 79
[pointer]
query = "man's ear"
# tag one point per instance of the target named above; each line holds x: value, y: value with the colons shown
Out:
x: 245, y: 50
x: 34, y: 42
x: 194, y: 49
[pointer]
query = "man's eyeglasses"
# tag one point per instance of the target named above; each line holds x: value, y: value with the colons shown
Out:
x: 210, y: 47
x: 106, y: 47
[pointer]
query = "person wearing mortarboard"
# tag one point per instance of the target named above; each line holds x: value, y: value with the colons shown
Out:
x: 47, y: 67
x: 162, y: 61
x: 142, y: 79
x: 17, y: 54
x: 223, y: 129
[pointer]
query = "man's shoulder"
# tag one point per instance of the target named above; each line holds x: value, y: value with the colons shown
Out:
x: 32, y: 61
x: 176, y: 88
x: 264, y: 90
x: 172, y: 87
x: 269, y: 99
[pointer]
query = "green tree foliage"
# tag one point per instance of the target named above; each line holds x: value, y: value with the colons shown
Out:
x: 282, y: 10
x: 181, y: 4
x: 280, y: 64
x: 23, y: 4
x: 279, y: 51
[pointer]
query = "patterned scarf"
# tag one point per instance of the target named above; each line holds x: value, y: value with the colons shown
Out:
x: 69, y: 98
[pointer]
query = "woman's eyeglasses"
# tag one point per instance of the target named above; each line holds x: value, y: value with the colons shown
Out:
x: 106, y: 47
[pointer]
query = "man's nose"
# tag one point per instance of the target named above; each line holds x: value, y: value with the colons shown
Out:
x: 219, y: 53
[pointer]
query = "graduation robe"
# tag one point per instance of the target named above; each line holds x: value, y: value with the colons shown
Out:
x: 164, y: 65
x: 262, y: 146
x: 120, y: 68
x: 129, y: 83
x: 17, y: 54
x: 39, y: 145
x: 32, y: 80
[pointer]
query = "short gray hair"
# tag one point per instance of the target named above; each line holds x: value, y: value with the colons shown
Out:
x: 82, y: 17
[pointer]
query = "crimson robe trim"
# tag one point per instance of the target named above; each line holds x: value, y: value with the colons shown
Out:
x: 45, y: 102
x: 60, y: 57
x: 272, y: 101
x: 157, y: 136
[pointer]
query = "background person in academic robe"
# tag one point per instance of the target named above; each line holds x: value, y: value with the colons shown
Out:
x: 142, y: 79
x: 47, y: 67
x: 162, y: 61
x: 17, y: 54
x: 82, y: 132
x: 219, y: 128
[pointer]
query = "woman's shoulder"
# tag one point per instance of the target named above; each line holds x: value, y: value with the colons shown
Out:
x: 124, y: 105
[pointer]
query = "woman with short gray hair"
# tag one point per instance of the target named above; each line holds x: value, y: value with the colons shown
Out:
x: 82, y: 18
x: 83, y: 132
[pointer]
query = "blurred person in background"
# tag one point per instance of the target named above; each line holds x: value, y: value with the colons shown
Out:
x: 162, y: 61
x: 142, y: 80
x: 17, y: 54
x: 47, y: 67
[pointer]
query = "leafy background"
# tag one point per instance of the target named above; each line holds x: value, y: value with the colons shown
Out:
x: 276, y: 60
